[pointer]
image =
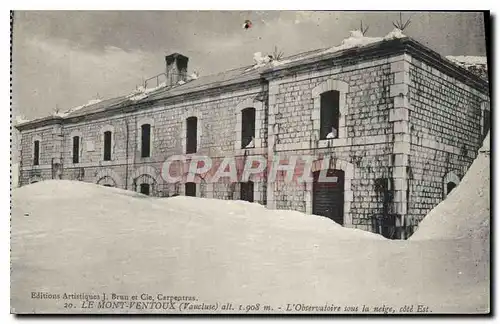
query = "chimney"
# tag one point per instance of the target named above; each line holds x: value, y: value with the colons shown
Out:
x: 176, y: 68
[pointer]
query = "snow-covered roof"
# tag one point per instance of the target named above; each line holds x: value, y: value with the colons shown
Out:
x: 18, y: 120
x: 468, y: 60
x: 356, y: 39
x: 69, y: 111
x: 475, y: 64
x: 263, y: 64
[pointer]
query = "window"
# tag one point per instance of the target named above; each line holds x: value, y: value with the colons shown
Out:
x: 190, y: 189
x: 191, y: 134
x: 450, y: 182
x: 76, y: 149
x: 329, y: 115
x: 449, y: 187
x: 107, y: 146
x: 145, y: 189
x: 247, y: 127
x: 145, y: 140
x: 36, y: 153
x: 246, y: 191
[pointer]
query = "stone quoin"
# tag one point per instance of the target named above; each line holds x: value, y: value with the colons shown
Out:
x: 397, y: 123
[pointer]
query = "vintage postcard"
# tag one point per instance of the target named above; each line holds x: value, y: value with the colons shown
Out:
x: 250, y: 162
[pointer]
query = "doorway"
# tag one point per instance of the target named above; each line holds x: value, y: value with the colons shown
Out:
x: 328, y: 195
x: 145, y: 189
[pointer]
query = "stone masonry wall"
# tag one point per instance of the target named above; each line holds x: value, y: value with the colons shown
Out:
x: 365, y: 135
x: 49, y: 153
x: 445, y: 129
x: 217, y: 132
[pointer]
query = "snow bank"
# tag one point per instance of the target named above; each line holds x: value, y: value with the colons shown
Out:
x: 465, y: 213
x: 79, y: 237
x: 14, y: 175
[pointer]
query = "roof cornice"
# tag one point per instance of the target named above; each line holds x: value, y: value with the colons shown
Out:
x: 41, y: 122
x: 377, y: 51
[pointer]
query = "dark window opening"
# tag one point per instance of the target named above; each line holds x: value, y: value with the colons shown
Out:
x: 191, y: 134
x: 384, y: 220
x: 190, y: 189
x: 329, y: 115
x: 36, y: 153
x: 449, y: 187
x: 145, y: 189
x: 107, y: 146
x: 247, y: 127
x: 246, y: 191
x: 486, y: 123
x: 145, y: 140
x: 76, y: 149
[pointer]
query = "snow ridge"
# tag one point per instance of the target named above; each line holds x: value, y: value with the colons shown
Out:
x: 67, y: 112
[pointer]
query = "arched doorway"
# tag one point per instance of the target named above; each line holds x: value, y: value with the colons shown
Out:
x: 107, y: 181
x: 146, y: 185
x: 328, y: 195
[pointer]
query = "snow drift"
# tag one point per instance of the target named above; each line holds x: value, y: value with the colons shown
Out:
x: 78, y: 237
x: 465, y: 213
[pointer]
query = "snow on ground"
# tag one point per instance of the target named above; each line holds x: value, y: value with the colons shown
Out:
x: 78, y: 237
x: 14, y: 169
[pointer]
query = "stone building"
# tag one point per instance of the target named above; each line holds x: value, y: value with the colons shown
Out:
x: 407, y: 124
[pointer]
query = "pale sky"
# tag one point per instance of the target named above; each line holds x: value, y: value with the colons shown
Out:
x: 67, y: 58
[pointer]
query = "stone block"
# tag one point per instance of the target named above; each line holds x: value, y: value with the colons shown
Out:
x: 398, y: 90
x: 400, y: 127
x: 398, y: 114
